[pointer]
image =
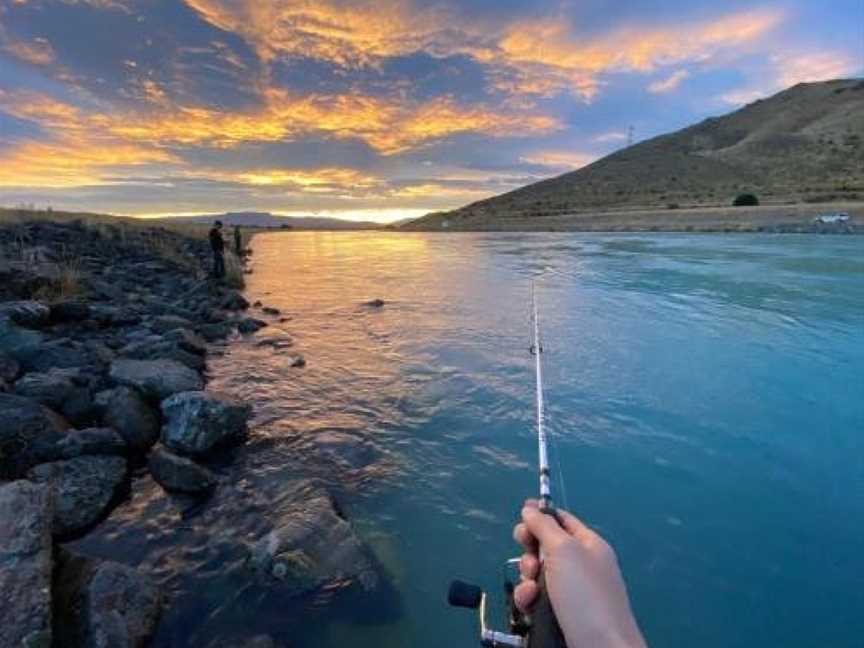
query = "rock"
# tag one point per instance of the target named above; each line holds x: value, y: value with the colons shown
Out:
x: 283, y: 342
x: 10, y: 368
x: 15, y: 340
x: 114, y: 316
x: 155, y: 347
x: 69, y: 311
x: 51, y: 388
x: 157, y: 379
x: 22, y: 423
x: 80, y: 409
x: 56, y: 354
x: 374, y: 303
x: 313, y: 546
x: 297, y: 361
x: 85, y: 488
x: 103, y: 604
x: 347, y: 450
x: 250, y: 325
x: 77, y: 443
x: 271, y: 311
x: 187, y: 341
x: 257, y: 304
x: 25, y: 564
x: 197, y: 422
x: 165, y: 323
x: 215, y: 331
x: 128, y: 413
x: 234, y: 301
x: 178, y: 474
x: 32, y: 314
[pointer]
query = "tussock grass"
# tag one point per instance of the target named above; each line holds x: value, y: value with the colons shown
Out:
x: 234, y: 271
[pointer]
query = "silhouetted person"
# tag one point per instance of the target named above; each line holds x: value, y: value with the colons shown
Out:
x: 238, y: 242
x: 217, y: 243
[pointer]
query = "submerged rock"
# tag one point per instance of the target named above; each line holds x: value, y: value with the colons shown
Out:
x: 25, y: 564
x: 103, y: 604
x: 85, y: 488
x: 313, y: 546
x: 178, y: 474
x: 250, y: 325
x: 157, y: 379
x: 22, y: 423
x: 347, y: 450
x: 270, y: 310
x: 128, y: 413
x: 197, y: 422
x: 297, y: 360
x: 374, y: 303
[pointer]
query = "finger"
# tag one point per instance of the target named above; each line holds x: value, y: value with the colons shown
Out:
x: 525, y: 594
x: 542, y: 526
x: 572, y: 524
x: 523, y: 536
x: 529, y: 566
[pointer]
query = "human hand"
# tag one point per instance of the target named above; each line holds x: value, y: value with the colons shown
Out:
x: 583, y: 580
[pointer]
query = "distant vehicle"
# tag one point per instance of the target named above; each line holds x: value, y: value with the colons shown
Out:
x: 831, y: 219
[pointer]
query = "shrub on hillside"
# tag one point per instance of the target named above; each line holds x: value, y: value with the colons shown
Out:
x: 745, y: 200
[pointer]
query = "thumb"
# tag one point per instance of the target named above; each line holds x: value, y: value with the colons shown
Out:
x: 542, y: 526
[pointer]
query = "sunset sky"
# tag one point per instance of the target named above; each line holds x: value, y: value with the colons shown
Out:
x: 371, y: 109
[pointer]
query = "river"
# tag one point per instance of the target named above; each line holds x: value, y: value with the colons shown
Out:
x: 705, y: 393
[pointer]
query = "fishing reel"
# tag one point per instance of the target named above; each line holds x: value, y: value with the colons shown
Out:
x: 469, y: 596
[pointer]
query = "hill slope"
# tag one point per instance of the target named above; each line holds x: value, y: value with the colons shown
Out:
x: 803, y: 145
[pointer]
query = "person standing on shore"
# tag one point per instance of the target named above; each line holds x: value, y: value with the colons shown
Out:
x: 238, y: 242
x: 217, y: 244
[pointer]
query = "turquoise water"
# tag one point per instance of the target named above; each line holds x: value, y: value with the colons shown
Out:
x: 706, y: 394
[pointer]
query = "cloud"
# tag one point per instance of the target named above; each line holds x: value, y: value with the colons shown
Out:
x: 559, y: 160
x: 670, y: 83
x: 611, y: 136
x: 36, y: 52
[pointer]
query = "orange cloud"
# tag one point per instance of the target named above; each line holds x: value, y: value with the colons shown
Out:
x: 561, y: 160
x: 36, y: 52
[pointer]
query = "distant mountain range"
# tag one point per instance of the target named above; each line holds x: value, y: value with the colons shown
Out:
x: 266, y: 219
x: 802, y: 146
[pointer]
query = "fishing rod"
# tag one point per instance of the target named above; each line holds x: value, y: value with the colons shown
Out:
x: 540, y: 629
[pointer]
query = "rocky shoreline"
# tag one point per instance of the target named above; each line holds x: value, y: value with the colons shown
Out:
x: 104, y: 336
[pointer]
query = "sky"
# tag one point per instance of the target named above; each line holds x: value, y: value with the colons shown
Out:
x: 372, y: 109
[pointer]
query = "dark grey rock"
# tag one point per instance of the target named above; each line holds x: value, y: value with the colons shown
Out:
x: 85, y: 488
x: 187, y: 341
x: 215, y: 331
x: 250, y: 325
x: 10, y: 368
x: 51, y: 388
x: 234, y: 301
x: 103, y: 604
x: 56, y: 354
x: 31, y: 314
x: 165, y: 323
x: 297, y: 360
x: 197, y: 422
x: 155, y: 347
x: 79, y: 408
x: 275, y: 341
x: 25, y: 565
x: 157, y: 379
x: 271, y: 311
x: 16, y: 341
x: 70, y: 311
x: 178, y: 474
x: 374, y: 303
x: 133, y: 418
x: 312, y: 546
x: 114, y: 315
x: 77, y: 443
x: 22, y: 423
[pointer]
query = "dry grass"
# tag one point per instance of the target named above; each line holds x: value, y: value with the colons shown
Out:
x: 234, y: 271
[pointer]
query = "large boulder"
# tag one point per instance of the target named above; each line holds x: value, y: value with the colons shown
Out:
x: 70, y: 311
x: 10, y: 368
x: 16, y: 341
x: 56, y: 354
x: 51, y: 388
x: 197, y: 422
x: 85, y: 489
x: 158, y: 348
x: 215, y: 331
x: 22, y: 423
x: 156, y: 379
x: 187, y: 341
x: 178, y: 474
x: 165, y: 323
x: 103, y: 604
x: 128, y: 413
x: 31, y: 314
x: 25, y: 564
x: 313, y: 546
x: 76, y: 443
x: 234, y: 301
x: 250, y: 325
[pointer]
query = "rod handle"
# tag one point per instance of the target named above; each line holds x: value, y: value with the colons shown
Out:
x: 545, y: 631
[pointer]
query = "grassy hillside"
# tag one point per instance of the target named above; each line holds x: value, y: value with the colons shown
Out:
x: 804, y: 145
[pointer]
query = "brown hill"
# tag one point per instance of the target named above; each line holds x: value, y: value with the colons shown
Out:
x: 804, y: 145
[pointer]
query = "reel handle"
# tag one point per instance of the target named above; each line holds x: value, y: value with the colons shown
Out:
x: 545, y: 631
